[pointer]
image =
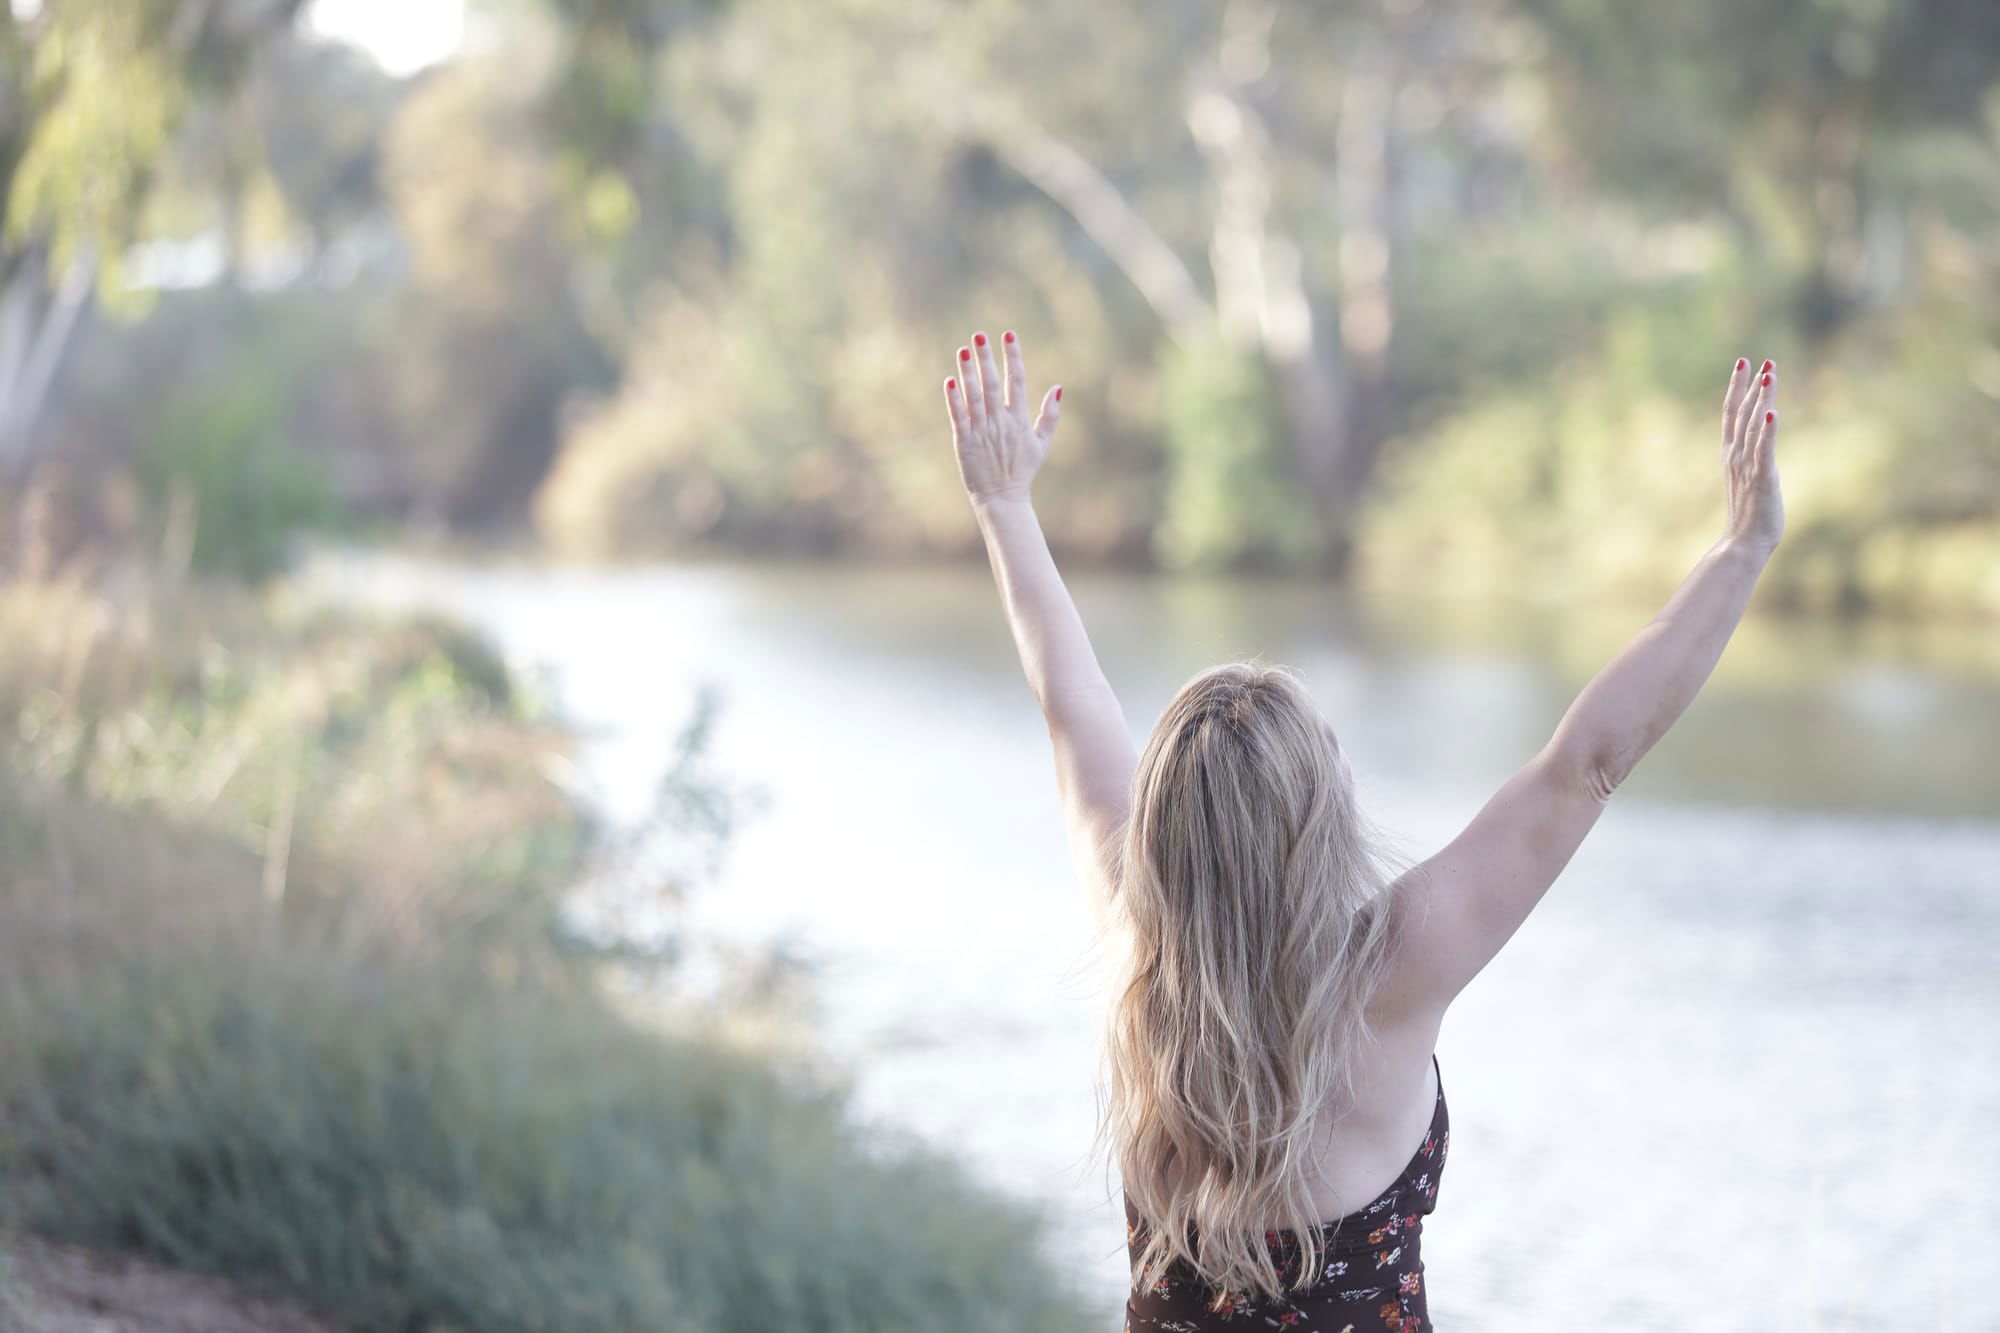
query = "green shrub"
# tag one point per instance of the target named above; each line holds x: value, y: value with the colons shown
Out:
x: 409, y: 1140
x: 338, y: 1043
x: 223, y: 462
x: 1233, y: 499
x: 398, y: 754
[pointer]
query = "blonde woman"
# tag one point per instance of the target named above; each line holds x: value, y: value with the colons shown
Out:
x: 1275, y: 1107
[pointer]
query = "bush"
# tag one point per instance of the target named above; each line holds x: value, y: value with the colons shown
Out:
x: 383, y: 1079
x: 1607, y: 480
x: 397, y: 757
x: 1233, y: 499
x: 408, y: 1140
x: 223, y: 463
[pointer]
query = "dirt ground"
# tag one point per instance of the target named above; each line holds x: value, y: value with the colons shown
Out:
x: 48, y: 1288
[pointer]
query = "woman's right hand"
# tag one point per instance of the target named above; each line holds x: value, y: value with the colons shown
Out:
x: 1749, y: 461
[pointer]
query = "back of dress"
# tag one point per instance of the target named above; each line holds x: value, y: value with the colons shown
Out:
x: 1372, y: 1269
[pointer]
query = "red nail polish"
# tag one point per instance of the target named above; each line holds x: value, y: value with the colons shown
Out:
x: 979, y: 339
x: 1059, y: 395
x: 1770, y: 416
x: 1767, y: 365
x: 1740, y: 363
x: 951, y: 383
x: 1767, y: 381
x: 1010, y: 335
x: 964, y: 354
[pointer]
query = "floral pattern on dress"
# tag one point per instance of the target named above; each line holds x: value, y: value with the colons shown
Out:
x: 1376, y: 1248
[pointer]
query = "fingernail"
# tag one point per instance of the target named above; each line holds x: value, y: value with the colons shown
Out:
x: 1740, y: 363
x: 951, y: 383
x: 965, y: 354
x: 1767, y: 380
x: 1767, y: 365
x: 1770, y: 416
x: 1059, y: 395
x: 1010, y: 335
x: 979, y: 339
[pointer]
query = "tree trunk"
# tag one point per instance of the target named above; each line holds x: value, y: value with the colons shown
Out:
x: 1107, y: 217
x: 1334, y: 390
x: 1367, y: 186
x: 38, y: 326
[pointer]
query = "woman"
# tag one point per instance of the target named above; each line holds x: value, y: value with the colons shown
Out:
x: 1276, y: 1109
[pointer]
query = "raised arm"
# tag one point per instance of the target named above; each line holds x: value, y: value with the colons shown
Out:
x: 1457, y: 909
x: 999, y: 451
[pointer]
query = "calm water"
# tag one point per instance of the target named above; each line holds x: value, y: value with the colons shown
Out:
x: 1741, y: 1070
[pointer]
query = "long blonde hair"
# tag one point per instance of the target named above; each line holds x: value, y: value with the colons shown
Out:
x: 1258, y: 929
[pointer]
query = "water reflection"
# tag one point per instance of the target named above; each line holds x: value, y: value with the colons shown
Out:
x: 1803, y: 714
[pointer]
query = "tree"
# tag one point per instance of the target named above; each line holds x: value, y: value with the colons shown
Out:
x: 1290, y: 136
x: 91, y: 93
x: 1795, y: 117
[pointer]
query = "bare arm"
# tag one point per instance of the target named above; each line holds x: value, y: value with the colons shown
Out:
x: 1458, y: 908
x: 999, y: 453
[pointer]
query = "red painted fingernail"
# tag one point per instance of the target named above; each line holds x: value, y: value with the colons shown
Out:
x: 1059, y: 395
x: 1767, y: 365
x: 1740, y: 363
x: 951, y: 383
x: 1770, y: 416
x: 979, y: 339
x: 1767, y: 379
x: 1010, y: 335
x: 965, y: 354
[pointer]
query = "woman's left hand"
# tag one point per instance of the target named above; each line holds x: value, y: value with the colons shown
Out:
x: 999, y: 450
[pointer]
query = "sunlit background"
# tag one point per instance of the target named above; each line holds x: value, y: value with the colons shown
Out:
x: 402, y: 36
x: 518, y: 807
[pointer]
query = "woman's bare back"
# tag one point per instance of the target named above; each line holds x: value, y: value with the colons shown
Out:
x: 1362, y: 1148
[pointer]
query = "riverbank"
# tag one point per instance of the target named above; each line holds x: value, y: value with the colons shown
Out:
x: 288, y: 995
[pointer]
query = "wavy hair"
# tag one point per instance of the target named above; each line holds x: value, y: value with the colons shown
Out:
x: 1258, y: 930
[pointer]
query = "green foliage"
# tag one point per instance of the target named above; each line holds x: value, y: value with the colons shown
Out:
x: 226, y: 457
x: 284, y: 997
x: 407, y: 1141
x: 488, y: 340
x: 97, y: 92
x: 1232, y: 498
x: 399, y: 753
x: 103, y: 93
x: 672, y: 275
x: 1603, y: 481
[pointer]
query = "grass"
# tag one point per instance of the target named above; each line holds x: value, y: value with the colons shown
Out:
x: 364, y: 1093
x: 14, y: 1312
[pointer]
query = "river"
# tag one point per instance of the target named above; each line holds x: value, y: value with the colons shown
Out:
x: 1740, y: 1070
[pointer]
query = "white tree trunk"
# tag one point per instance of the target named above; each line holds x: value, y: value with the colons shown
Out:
x: 38, y: 325
x: 1262, y: 298
x: 1105, y: 215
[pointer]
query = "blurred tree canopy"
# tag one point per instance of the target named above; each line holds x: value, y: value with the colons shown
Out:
x: 92, y: 94
x: 1408, y: 289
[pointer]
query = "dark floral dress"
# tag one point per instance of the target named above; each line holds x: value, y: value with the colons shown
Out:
x: 1372, y: 1266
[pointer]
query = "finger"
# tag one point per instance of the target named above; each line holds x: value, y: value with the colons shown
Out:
x: 1045, y: 424
x: 954, y: 402
x: 990, y: 386
x: 1755, y: 404
x: 1017, y: 375
x: 1767, y: 441
x: 1732, y: 401
x: 968, y: 382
